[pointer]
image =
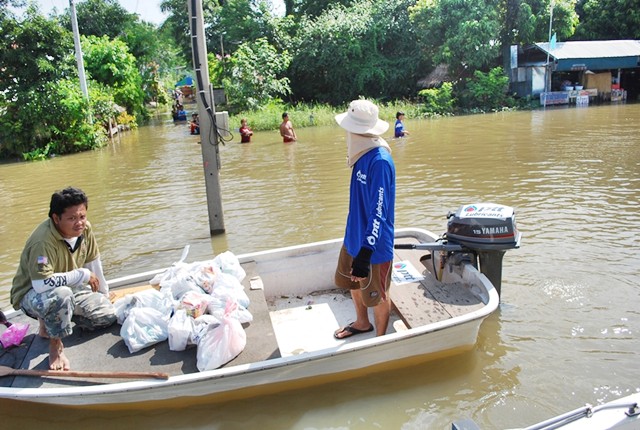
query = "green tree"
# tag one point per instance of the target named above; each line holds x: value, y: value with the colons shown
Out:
x: 42, y: 110
x: 438, y: 101
x: 608, y: 20
x: 527, y: 22
x: 110, y: 63
x: 228, y: 24
x: 470, y: 35
x: 314, y: 8
x: 488, y: 90
x: 154, y: 50
x: 255, y: 76
x: 99, y: 18
x: 34, y: 51
x: 460, y: 33
x: 177, y: 24
x: 157, y: 57
x: 367, y: 49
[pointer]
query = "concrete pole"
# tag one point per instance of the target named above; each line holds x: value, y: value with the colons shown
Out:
x: 76, y: 42
x: 547, y: 77
x: 209, y: 135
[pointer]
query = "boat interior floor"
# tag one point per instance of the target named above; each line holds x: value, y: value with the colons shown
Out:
x: 281, y: 327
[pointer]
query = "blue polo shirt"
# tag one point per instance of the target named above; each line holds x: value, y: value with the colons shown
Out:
x: 370, y: 222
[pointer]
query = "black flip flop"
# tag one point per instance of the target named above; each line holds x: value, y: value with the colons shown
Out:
x: 351, y: 330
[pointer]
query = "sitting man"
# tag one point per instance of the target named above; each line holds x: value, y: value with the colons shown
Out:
x: 60, y: 275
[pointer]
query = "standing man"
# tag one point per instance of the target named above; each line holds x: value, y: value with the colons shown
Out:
x: 60, y: 275
x: 366, y: 257
x: 399, y: 127
x: 286, y: 129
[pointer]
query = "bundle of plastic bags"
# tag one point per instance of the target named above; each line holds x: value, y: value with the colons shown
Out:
x: 189, y: 304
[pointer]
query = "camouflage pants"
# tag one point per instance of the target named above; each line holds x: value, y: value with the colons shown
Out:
x: 59, y: 306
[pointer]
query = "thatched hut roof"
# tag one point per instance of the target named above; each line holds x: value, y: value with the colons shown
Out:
x: 437, y: 76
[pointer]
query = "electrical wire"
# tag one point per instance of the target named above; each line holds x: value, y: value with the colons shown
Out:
x: 215, y: 136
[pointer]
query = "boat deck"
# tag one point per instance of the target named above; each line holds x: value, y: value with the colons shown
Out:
x: 269, y: 335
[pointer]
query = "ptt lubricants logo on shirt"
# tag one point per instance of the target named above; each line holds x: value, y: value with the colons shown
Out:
x: 361, y: 177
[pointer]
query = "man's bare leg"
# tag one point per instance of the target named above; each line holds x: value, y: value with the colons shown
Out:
x: 57, y: 359
x: 381, y: 314
x: 42, y: 331
x: 362, y: 315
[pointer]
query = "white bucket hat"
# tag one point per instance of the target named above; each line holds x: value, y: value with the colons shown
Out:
x: 362, y: 118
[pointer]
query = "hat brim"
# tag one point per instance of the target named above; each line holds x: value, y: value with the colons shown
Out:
x: 348, y: 124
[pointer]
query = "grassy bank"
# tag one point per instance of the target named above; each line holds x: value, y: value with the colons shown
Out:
x: 307, y: 115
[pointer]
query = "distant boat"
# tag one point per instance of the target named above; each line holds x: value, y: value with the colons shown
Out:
x: 443, y: 288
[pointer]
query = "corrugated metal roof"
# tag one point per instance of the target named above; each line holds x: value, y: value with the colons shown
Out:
x: 593, y: 49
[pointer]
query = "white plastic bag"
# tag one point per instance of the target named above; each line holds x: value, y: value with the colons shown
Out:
x: 177, y: 279
x: 217, y: 308
x: 204, y: 274
x: 144, y: 327
x: 227, y: 286
x: 201, y: 326
x: 157, y: 280
x: 151, y: 298
x: 229, y: 263
x: 180, y: 330
x: 195, y: 304
x: 222, y: 343
x: 122, y: 307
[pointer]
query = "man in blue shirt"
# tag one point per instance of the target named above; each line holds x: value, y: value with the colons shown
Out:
x: 365, y: 261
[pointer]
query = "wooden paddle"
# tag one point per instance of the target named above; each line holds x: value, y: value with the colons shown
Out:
x: 9, y: 371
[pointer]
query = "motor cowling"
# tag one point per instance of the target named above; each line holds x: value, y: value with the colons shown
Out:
x: 487, y: 230
x: 483, y: 226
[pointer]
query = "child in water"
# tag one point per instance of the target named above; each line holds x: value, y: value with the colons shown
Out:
x: 245, y: 131
x: 195, y: 124
x: 399, y: 129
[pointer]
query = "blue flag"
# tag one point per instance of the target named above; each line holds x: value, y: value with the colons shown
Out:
x: 552, y: 42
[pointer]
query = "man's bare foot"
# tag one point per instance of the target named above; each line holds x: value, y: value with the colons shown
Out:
x: 42, y: 331
x: 57, y: 359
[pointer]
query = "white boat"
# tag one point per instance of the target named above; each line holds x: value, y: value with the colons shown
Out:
x: 619, y: 414
x: 296, y: 310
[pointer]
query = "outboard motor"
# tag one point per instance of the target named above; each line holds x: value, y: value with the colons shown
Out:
x: 480, y: 232
x: 487, y: 230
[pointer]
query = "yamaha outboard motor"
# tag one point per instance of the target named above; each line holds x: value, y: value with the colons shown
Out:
x: 480, y: 232
x: 488, y: 230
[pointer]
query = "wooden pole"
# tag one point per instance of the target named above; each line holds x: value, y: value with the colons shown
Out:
x: 8, y: 371
x: 209, y: 134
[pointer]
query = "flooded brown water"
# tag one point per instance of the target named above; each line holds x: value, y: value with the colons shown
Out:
x: 566, y: 332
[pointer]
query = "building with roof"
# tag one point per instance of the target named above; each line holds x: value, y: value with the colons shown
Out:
x: 606, y: 69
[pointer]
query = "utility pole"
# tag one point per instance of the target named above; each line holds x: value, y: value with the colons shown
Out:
x: 76, y: 42
x: 547, y: 80
x: 209, y: 133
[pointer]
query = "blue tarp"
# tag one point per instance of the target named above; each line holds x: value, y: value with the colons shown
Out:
x: 187, y: 80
